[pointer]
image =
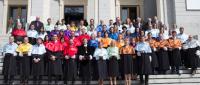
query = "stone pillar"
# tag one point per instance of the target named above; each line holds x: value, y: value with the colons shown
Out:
x: 92, y: 10
x: 40, y: 8
x: 160, y: 10
x: 61, y: 9
x: 5, y: 11
x: 117, y: 8
x: 106, y: 10
x: 1, y: 16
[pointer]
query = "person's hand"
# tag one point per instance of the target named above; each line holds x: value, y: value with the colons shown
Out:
x: 53, y: 58
x: 154, y: 49
x: 138, y: 54
x: 80, y: 57
x: 91, y: 57
x: 20, y: 54
x: 165, y: 48
x: 66, y: 57
x: 73, y: 57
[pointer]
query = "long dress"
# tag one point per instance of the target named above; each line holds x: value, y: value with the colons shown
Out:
x: 174, y: 52
x: 113, y: 65
x: 101, y: 56
x: 127, y: 53
x: 163, y: 59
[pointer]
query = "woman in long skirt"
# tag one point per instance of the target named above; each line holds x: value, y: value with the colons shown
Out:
x: 192, y: 46
x: 70, y: 64
x: 113, y: 54
x: 54, y: 52
x: 127, y: 53
x: 9, y: 64
x: 85, y: 57
x: 101, y: 56
x: 154, y: 57
x: 135, y: 65
x: 174, y: 53
x: 163, y: 59
x: 144, y: 59
x: 38, y: 52
x: 24, y: 50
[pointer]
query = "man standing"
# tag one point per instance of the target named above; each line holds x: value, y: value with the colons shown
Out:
x: 37, y: 23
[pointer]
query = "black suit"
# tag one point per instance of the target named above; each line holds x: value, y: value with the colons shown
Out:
x: 38, y: 25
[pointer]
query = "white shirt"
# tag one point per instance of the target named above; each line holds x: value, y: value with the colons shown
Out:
x: 143, y: 46
x: 38, y: 49
x: 154, y: 32
x: 49, y: 27
x: 10, y: 48
x: 62, y: 27
x: 101, y: 53
x: 183, y: 37
x: 131, y: 28
x: 92, y: 32
x: 41, y: 35
x: 32, y: 33
x: 191, y: 44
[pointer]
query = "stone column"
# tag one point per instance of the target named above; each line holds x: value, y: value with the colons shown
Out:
x: 106, y: 10
x: 92, y: 10
x: 61, y: 9
x: 1, y: 16
x: 117, y: 8
x: 160, y: 10
x: 5, y: 11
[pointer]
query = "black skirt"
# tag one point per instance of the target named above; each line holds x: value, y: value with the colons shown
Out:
x: 154, y: 62
x: 184, y: 59
x: 55, y: 67
x: 70, y: 69
x: 175, y: 57
x: 163, y: 60
x: 144, y: 64
x: 85, y: 69
x: 127, y: 63
x: 38, y: 68
x: 193, y: 59
x: 25, y: 65
x: 113, y: 67
x: 102, y: 69
x: 9, y: 65
x: 32, y: 40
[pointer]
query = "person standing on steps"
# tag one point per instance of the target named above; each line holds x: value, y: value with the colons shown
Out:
x: 9, y: 64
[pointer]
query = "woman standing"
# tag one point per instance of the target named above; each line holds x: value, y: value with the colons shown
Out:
x: 113, y: 54
x: 163, y: 59
x: 24, y: 50
x: 127, y: 54
x: 144, y: 59
x: 38, y: 52
x: 101, y: 56
x: 32, y: 35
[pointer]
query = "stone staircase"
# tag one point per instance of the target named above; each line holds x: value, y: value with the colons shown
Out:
x: 170, y: 79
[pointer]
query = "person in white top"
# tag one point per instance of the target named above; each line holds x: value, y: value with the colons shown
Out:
x: 49, y: 27
x: 62, y: 25
x: 92, y: 30
x: 32, y: 34
x: 182, y: 36
x: 192, y: 48
x: 101, y: 56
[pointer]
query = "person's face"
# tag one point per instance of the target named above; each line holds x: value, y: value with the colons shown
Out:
x: 137, y: 30
x: 46, y: 38
x: 174, y: 34
x: 142, y: 33
x: 106, y: 34
x: 26, y: 40
x: 111, y: 30
x: 37, y: 19
x: 11, y: 39
x: 19, y: 26
x: 49, y: 20
x: 149, y: 35
x: 133, y: 41
x: 100, y: 45
x: 181, y: 30
x: 71, y: 42
x: 82, y: 22
x: 42, y: 29
x: 92, y: 27
x: 93, y: 36
x: 142, y: 39
x: 85, y: 41
x: 39, y: 41
x: 111, y: 22
x: 126, y: 41
x: 91, y: 21
x: 32, y: 27
x: 55, y: 37
x: 99, y: 34
x: 104, y: 27
x: 120, y: 36
x: 112, y: 43
x: 190, y: 38
x: 161, y: 36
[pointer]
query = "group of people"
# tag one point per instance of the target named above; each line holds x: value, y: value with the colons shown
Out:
x: 117, y: 50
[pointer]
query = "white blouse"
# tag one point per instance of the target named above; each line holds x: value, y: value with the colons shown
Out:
x: 101, y: 52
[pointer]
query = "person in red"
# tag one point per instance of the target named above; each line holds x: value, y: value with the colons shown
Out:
x: 83, y: 35
x: 54, y: 52
x: 70, y: 64
x: 19, y: 33
x: 74, y: 38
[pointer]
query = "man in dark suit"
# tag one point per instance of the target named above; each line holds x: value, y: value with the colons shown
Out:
x: 37, y: 23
